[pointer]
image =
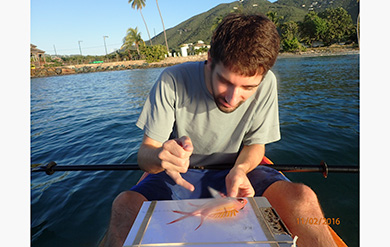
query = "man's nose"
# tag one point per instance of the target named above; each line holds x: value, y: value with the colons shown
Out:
x: 233, y: 96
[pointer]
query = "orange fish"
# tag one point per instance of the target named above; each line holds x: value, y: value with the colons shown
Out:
x: 217, y: 208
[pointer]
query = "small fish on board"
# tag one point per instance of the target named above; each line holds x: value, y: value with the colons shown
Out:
x: 220, y: 207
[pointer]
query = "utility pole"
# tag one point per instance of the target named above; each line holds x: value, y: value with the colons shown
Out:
x: 104, y: 39
x: 80, y: 47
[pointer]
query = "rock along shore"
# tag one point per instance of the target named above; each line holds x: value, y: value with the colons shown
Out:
x: 111, y: 66
x: 169, y: 61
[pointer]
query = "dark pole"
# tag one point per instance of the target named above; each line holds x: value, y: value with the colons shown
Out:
x: 323, y: 168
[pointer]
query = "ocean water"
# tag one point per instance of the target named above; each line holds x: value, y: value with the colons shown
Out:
x: 90, y: 119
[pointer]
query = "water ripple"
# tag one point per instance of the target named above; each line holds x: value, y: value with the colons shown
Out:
x: 90, y: 119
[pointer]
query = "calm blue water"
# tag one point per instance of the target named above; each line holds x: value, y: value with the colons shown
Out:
x: 90, y: 119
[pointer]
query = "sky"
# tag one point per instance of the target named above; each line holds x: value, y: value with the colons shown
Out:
x: 57, y: 26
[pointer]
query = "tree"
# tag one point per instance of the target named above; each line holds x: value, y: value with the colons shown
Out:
x: 273, y: 16
x: 289, y: 30
x: 153, y: 53
x: 358, y: 27
x: 133, y: 37
x: 162, y: 21
x: 313, y: 28
x: 339, y: 25
x: 139, y: 4
x: 289, y: 35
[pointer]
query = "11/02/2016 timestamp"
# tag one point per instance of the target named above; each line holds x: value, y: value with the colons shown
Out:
x: 318, y: 221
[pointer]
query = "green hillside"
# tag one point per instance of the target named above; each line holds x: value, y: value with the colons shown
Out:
x: 200, y: 27
x: 351, y: 6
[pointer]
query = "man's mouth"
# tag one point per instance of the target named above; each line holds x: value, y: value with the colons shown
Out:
x: 224, y: 103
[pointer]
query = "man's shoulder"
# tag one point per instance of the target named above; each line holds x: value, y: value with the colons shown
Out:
x: 270, y: 76
x: 268, y: 88
x: 186, y: 77
x: 184, y: 67
x: 269, y: 82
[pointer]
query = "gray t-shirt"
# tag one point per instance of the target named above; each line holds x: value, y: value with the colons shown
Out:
x: 179, y: 104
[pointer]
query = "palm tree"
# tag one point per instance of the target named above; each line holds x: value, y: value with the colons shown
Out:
x: 165, y: 35
x: 132, y: 37
x: 139, y: 4
x: 273, y: 16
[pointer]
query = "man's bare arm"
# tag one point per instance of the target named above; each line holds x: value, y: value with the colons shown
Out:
x: 237, y: 182
x: 148, y: 152
x: 250, y: 157
x: 171, y: 156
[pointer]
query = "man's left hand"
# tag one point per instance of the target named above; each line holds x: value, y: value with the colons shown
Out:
x: 238, y: 184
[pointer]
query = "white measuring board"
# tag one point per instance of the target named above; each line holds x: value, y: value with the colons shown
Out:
x: 246, y: 227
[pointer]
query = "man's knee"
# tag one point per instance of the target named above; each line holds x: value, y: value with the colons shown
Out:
x: 294, y: 193
x: 124, y: 210
x: 302, y: 193
x: 128, y: 201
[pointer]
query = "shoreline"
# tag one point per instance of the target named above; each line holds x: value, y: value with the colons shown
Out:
x: 169, y: 61
x: 334, y: 50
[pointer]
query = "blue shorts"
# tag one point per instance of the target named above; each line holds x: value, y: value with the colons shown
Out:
x: 161, y: 187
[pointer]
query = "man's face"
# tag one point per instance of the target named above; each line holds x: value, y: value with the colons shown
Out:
x: 230, y: 89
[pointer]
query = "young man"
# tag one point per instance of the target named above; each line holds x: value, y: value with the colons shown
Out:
x: 223, y: 110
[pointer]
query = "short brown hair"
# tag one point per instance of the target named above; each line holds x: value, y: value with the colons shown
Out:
x: 246, y: 44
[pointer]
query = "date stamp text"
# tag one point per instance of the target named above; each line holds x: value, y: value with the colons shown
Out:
x: 318, y: 221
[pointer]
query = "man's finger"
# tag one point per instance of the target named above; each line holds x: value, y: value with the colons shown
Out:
x: 186, y: 143
x: 246, y: 191
x: 231, y: 187
x: 172, y: 163
x: 172, y: 149
x: 180, y: 180
x: 233, y: 192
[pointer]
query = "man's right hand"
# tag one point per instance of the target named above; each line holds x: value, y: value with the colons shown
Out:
x: 175, y: 159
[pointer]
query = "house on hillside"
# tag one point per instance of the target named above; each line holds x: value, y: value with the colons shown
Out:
x: 37, y: 56
x: 190, y: 48
x: 200, y: 44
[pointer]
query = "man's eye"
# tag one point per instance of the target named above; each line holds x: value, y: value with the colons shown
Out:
x: 223, y: 82
x: 249, y: 88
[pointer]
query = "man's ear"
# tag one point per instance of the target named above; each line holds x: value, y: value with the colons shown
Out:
x: 209, y: 60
